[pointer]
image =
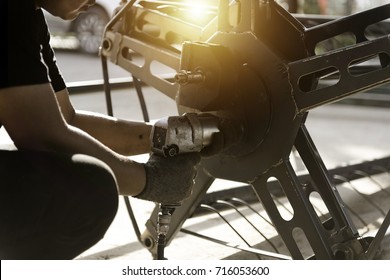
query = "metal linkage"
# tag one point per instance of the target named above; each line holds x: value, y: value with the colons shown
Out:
x: 234, y: 65
x: 350, y: 174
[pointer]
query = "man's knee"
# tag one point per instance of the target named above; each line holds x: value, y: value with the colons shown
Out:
x: 75, y: 197
x: 104, y: 195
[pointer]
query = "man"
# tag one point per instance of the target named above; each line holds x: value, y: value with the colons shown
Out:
x: 59, y: 188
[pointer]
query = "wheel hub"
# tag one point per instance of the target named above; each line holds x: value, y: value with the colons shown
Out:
x: 247, y: 82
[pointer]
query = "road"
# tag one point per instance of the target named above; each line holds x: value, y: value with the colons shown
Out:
x: 76, y: 66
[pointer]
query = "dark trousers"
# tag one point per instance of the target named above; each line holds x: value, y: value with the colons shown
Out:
x: 53, y: 206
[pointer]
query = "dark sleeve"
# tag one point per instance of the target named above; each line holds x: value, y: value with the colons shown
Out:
x: 23, y: 64
x: 49, y: 58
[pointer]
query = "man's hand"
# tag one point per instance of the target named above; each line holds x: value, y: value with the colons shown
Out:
x: 169, y: 179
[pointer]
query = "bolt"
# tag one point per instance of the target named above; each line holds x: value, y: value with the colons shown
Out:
x: 185, y: 77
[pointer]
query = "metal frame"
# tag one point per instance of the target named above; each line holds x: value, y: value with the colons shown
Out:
x: 269, y: 82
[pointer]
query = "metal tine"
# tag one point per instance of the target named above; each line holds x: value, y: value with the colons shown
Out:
x: 256, y: 212
x: 238, y: 247
x: 212, y: 209
x: 381, y: 168
x: 364, y: 174
x: 375, y: 244
x: 249, y: 222
x: 342, y: 178
x: 235, y: 199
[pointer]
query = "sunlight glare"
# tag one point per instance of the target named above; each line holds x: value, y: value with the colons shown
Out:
x: 197, y: 11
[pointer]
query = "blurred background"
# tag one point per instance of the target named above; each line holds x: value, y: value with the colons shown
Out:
x: 85, y: 32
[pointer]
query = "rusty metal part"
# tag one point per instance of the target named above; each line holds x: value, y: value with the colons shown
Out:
x: 259, y: 65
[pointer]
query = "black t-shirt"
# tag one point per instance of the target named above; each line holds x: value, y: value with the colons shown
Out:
x: 29, y: 58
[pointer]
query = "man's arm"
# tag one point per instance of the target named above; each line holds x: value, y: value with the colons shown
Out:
x: 32, y: 118
x: 124, y: 137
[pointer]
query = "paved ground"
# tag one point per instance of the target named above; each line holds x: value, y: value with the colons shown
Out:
x: 343, y: 134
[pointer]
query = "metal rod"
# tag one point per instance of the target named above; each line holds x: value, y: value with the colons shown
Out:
x: 207, y: 207
x: 132, y: 218
x: 163, y: 222
x: 107, y: 89
x: 235, y: 199
x: 138, y: 88
x: 343, y: 179
x: 374, y: 246
x: 365, y: 174
x: 249, y: 222
x: 239, y: 247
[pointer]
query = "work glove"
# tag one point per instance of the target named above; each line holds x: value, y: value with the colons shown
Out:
x: 169, y: 179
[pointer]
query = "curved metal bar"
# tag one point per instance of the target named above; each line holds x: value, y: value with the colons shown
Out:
x: 365, y: 174
x: 235, y: 199
x: 345, y: 180
x: 249, y: 222
x: 238, y: 247
x: 372, y: 249
x: 212, y: 209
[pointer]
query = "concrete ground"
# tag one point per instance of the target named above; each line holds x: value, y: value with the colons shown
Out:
x: 344, y: 134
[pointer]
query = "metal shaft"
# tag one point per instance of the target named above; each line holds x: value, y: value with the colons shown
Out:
x: 163, y: 221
